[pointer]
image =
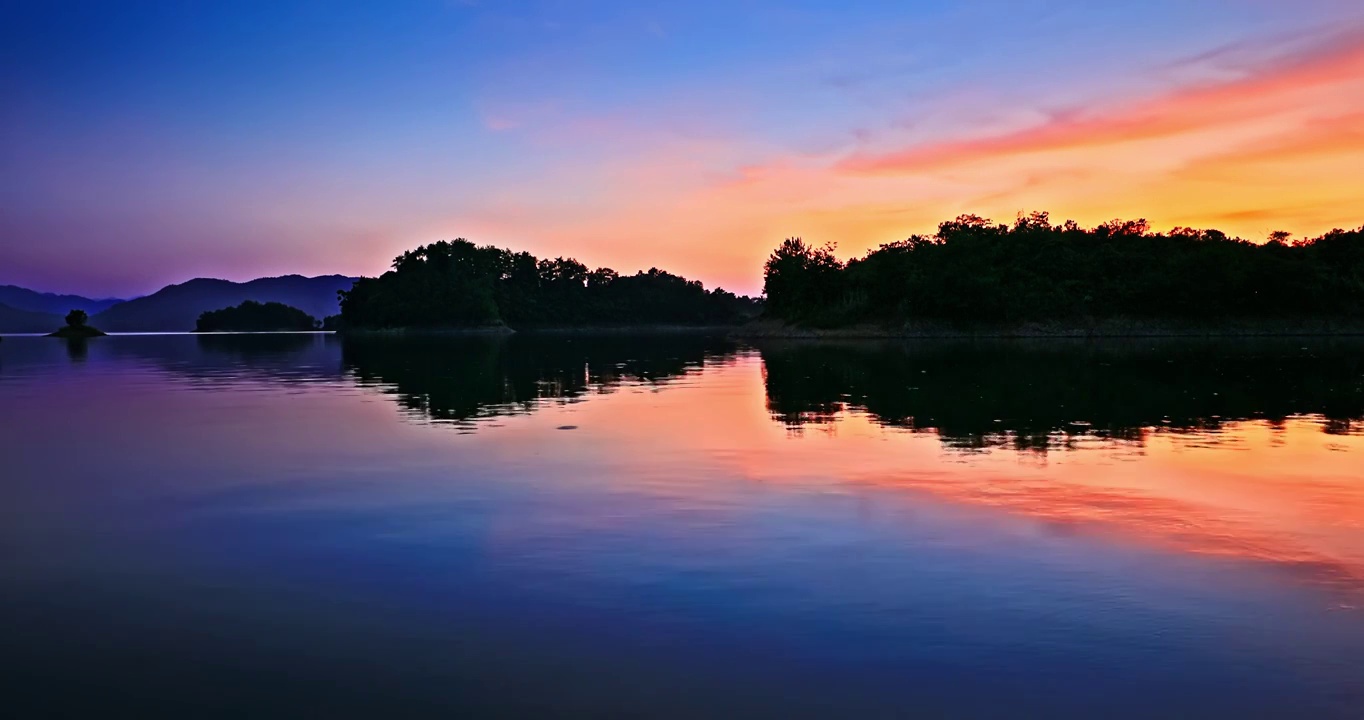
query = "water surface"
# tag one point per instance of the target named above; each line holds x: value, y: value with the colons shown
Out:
x: 681, y: 527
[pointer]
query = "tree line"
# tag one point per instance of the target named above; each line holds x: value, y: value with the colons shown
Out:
x: 457, y: 284
x: 976, y: 271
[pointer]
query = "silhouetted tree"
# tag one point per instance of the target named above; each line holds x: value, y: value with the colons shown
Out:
x: 77, y: 318
x: 802, y: 281
x: 976, y: 271
x: 456, y: 284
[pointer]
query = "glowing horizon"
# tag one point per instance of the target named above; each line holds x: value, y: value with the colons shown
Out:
x: 147, y: 146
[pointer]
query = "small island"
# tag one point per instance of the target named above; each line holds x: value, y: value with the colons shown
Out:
x: 76, y: 329
x: 252, y: 316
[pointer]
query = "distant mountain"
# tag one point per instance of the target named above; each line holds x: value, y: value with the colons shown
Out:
x: 176, y: 308
x: 20, y: 298
x: 15, y: 320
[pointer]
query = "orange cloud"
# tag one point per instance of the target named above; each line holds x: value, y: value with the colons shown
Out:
x: 1265, y: 93
x: 1321, y: 138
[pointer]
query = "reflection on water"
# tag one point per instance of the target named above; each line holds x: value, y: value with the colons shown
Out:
x: 1272, y: 485
x: 1042, y: 395
x: 458, y: 380
x: 77, y: 349
x: 252, y: 347
x: 255, y: 525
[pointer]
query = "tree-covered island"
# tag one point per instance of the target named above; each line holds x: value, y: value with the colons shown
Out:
x: 459, y: 285
x: 76, y: 327
x: 252, y: 316
x: 973, y: 272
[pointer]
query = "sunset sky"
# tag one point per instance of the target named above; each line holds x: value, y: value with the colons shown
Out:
x: 143, y: 144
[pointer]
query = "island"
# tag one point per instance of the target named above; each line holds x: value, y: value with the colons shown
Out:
x: 252, y: 316
x: 76, y: 328
x: 457, y: 286
x: 1034, y: 277
x: 973, y: 277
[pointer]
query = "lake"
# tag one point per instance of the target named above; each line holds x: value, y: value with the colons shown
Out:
x: 681, y: 527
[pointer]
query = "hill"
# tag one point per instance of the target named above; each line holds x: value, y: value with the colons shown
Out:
x: 177, y: 308
x: 20, y: 298
x: 15, y: 320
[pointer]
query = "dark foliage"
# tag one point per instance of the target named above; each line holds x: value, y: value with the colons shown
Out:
x: 978, y: 272
x: 456, y: 284
x: 77, y: 318
x: 251, y: 316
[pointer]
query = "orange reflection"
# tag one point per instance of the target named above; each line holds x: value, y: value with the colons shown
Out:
x: 1290, y: 495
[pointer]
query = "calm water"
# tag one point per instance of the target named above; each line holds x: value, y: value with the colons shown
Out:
x: 681, y: 527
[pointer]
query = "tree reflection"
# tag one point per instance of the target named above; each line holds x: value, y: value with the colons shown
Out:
x: 1040, y: 396
x: 258, y: 345
x: 77, y: 348
x: 461, y: 379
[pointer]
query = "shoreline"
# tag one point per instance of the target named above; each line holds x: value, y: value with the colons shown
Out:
x: 1112, y: 328
x: 778, y: 330
x: 503, y: 330
x: 632, y: 330
x: 425, y: 332
x: 77, y: 332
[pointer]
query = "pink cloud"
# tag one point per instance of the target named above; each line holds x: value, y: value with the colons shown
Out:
x: 1260, y: 92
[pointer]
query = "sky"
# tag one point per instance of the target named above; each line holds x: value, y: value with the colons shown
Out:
x: 146, y: 143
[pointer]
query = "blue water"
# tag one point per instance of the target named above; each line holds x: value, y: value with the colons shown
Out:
x: 678, y: 527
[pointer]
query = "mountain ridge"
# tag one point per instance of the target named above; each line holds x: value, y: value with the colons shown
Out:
x: 176, y: 308
x: 18, y: 320
x: 21, y: 298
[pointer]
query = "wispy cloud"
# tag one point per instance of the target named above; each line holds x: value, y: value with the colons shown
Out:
x: 1263, y: 91
x: 501, y: 116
